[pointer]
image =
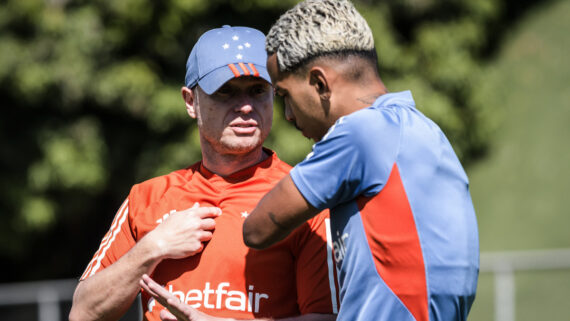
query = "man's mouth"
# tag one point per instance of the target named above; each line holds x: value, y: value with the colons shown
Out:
x: 244, y: 128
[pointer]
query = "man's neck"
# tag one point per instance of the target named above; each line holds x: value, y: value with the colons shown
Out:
x: 361, y: 97
x: 227, y: 164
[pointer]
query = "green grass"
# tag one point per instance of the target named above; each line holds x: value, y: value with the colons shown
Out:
x: 521, y: 191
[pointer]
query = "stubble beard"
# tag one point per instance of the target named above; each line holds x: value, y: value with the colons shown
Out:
x: 236, y: 145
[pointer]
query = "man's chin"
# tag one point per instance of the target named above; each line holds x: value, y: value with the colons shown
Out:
x: 315, y: 139
x: 243, y: 146
x: 306, y: 135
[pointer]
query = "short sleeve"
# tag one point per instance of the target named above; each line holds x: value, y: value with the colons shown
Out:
x: 117, y: 241
x: 354, y: 158
x: 317, y: 289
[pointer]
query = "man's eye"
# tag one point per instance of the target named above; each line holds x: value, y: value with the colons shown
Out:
x: 259, y: 90
x: 224, y: 91
x: 226, y: 88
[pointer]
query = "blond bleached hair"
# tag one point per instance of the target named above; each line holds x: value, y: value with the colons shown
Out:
x: 315, y: 28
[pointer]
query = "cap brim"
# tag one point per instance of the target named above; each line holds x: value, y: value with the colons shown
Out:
x: 215, y: 79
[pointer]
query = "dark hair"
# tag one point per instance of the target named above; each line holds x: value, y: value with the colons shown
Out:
x: 368, y: 59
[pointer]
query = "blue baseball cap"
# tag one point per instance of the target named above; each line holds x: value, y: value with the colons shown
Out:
x: 225, y: 53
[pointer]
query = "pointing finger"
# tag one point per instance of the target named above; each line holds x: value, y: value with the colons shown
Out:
x: 177, y: 308
x: 165, y: 315
x: 154, y: 289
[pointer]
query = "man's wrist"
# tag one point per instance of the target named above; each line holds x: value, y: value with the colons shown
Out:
x: 154, y: 251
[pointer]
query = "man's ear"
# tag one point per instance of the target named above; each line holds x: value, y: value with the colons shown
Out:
x: 319, y: 78
x: 190, y: 101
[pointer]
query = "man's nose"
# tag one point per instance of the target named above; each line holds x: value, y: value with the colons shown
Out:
x: 244, y: 104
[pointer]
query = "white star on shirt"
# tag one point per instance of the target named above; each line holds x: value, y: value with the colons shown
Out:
x: 244, y: 214
x: 235, y: 38
x: 239, y: 56
x: 226, y: 46
x: 247, y: 45
x: 240, y: 47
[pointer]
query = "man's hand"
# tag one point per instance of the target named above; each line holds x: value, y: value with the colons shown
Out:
x: 108, y: 294
x: 178, y: 310
x: 182, y: 234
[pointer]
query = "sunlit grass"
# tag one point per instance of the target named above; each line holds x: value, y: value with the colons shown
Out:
x: 521, y: 191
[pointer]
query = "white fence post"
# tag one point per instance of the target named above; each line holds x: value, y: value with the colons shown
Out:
x: 504, y: 294
x: 503, y: 266
x: 48, y: 301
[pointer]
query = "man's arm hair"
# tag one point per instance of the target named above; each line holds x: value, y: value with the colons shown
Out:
x: 108, y: 294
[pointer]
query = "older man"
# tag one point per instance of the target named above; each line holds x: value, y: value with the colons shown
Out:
x: 184, y: 228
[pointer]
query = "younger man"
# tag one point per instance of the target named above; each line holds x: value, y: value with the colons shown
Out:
x: 403, y: 224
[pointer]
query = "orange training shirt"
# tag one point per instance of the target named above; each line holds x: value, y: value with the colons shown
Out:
x: 227, y: 279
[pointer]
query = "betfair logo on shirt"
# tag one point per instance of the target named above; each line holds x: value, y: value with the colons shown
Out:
x: 339, y: 247
x: 219, y: 298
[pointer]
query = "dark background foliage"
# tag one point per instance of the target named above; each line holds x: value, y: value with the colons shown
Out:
x: 90, y: 96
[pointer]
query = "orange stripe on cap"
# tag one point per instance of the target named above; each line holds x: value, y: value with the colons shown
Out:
x: 244, y: 68
x: 255, y: 72
x: 234, y: 70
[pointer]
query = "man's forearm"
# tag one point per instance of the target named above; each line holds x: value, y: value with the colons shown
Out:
x: 108, y: 294
x: 278, y: 213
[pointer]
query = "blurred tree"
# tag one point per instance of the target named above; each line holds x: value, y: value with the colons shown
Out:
x: 91, y: 100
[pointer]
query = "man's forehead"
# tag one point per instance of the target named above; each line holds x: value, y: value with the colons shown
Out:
x: 273, y: 69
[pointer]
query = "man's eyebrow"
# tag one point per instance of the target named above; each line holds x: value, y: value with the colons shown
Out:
x: 227, y: 85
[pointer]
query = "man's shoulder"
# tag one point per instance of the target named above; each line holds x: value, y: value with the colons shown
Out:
x: 155, y: 187
x: 279, y: 165
x: 273, y: 167
x: 367, y: 124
